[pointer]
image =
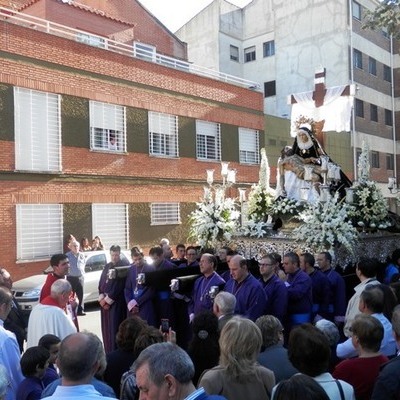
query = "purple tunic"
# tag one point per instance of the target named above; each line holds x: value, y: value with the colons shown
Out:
x: 111, y: 319
x: 251, y: 299
x: 277, y: 297
x: 201, y: 300
x: 337, y: 303
x: 321, y: 292
x: 142, y: 294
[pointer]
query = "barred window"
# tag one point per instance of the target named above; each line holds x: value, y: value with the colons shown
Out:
x: 249, y: 146
x: 165, y: 214
x: 163, y: 134
x: 208, y: 141
x: 107, y: 127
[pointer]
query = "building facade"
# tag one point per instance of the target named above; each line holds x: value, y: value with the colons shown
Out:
x: 280, y: 46
x: 108, y: 137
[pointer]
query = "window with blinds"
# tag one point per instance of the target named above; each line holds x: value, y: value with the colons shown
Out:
x: 111, y: 223
x: 39, y: 230
x: 37, y: 131
x: 208, y: 141
x: 249, y: 147
x: 163, y: 134
x: 165, y: 214
x: 107, y: 127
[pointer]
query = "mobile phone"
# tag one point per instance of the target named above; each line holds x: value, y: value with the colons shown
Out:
x: 164, y: 325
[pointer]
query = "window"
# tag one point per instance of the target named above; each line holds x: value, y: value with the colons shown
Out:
x: 359, y: 108
x: 250, y: 54
x: 372, y: 66
x: 144, y: 51
x: 269, y: 88
x: 374, y: 159
x: 272, y: 142
x: 373, y: 112
x: 163, y: 134
x: 37, y: 131
x: 390, y: 161
x: 208, y: 141
x: 39, y: 231
x: 358, y: 155
x: 248, y: 146
x: 91, y: 40
x: 107, y: 127
x: 356, y: 8
x: 387, y: 73
x: 269, y: 48
x: 234, y: 53
x: 388, y: 117
x: 110, y: 222
x: 165, y: 214
x: 357, y: 59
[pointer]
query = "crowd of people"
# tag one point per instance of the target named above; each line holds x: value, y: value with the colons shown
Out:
x: 206, y: 324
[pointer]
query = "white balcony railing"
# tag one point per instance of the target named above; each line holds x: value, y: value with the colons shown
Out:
x: 90, y: 39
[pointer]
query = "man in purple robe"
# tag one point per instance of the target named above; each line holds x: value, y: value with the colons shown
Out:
x: 274, y: 287
x: 251, y: 300
x: 299, y: 291
x: 204, y: 288
x: 138, y: 297
x: 112, y: 300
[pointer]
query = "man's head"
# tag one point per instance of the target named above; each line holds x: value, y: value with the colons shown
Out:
x: 372, y: 300
x: 74, y: 246
x: 367, y: 268
x: 222, y: 253
x: 267, y: 265
x: 191, y: 254
x: 163, y: 371
x: 396, y: 322
x: 180, y: 251
x: 224, y: 304
x: 61, y: 291
x: 137, y: 256
x: 5, y: 302
x: 271, y: 330
x: 291, y: 262
x: 52, y: 344
x: 324, y: 260
x: 208, y: 263
x: 308, y: 350
x: 157, y: 255
x: 307, y: 261
x: 5, y: 278
x: 60, y: 264
x: 34, y: 361
x: 79, y: 358
x: 115, y: 252
x: 367, y: 333
x: 238, y: 268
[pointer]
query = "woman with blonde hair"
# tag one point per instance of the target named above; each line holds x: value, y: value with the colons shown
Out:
x: 238, y: 375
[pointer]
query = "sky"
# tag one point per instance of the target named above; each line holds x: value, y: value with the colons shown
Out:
x: 175, y: 13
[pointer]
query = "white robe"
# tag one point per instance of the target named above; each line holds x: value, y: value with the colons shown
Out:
x: 46, y: 319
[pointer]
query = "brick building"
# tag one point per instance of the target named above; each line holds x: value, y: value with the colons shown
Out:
x: 106, y: 129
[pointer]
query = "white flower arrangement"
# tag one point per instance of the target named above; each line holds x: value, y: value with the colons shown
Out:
x: 284, y: 206
x: 326, y: 225
x: 214, y: 219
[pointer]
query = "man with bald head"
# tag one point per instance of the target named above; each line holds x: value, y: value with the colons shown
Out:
x: 78, y: 361
x: 251, y: 300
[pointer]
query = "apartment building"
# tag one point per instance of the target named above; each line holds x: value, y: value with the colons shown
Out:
x: 280, y: 45
x: 107, y: 129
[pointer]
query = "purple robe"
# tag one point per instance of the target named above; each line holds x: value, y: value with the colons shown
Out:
x: 337, y: 302
x: 321, y: 292
x: 201, y: 300
x: 251, y: 299
x: 277, y: 297
x: 111, y: 319
x: 142, y: 294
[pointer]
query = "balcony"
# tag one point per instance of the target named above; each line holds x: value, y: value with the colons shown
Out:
x: 137, y: 50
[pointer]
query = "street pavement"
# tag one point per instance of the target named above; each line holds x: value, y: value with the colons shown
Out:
x: 91, y: 321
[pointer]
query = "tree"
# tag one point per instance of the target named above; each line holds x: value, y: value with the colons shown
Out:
x: 385, y: 16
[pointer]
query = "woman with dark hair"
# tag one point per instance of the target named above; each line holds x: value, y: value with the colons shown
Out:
x: 204, y: 347
x: 85, y: 245
x: 299, y: 386
x: 121, y: 359
x: 238, y: 375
